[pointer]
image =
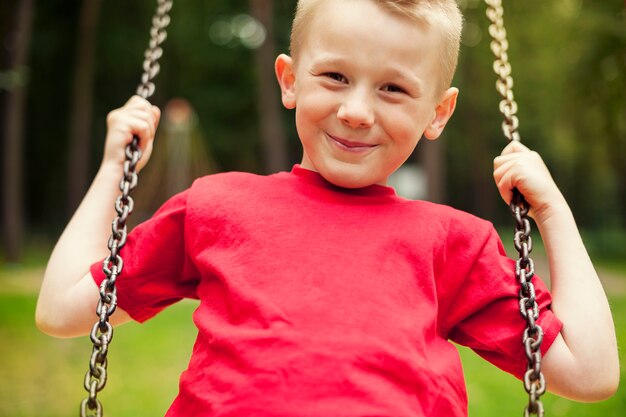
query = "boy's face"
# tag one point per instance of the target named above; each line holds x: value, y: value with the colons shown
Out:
x: 364, y: 86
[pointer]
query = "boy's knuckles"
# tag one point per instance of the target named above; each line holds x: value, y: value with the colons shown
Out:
x: 112, y: 116
x: 146, y: 129
x: 136, y: 100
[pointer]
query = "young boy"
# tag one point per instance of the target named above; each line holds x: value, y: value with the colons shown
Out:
x: 322, y: 293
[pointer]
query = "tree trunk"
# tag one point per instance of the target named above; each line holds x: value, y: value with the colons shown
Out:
x: 273, y: 139
x: 13, y: 133
x: 82, y: 98
x: 432, y: 159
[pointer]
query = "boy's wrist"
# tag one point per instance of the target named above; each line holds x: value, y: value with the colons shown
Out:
x: 554, y: 209
x: 110, y: 170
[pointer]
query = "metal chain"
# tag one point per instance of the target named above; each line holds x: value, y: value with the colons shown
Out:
x: 102, y: 331
x: 151, y: 68
x: 502, y: 68
x: 534, y: 381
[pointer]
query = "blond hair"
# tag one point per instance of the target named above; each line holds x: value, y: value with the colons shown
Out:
x: 441, y: 14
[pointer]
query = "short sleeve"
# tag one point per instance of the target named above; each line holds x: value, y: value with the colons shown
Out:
x: 482, y: 308
x: 157, y: 271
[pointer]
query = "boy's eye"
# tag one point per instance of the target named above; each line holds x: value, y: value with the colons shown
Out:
x: 335, y: 76
x: 391, y: 88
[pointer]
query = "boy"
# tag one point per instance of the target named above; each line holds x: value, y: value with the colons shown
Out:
x: 321, y: 292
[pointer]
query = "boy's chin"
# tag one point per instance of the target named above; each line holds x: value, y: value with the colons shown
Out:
x: 351, y: 176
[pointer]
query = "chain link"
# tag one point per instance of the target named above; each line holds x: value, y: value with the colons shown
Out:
x: 151, y: 68
x: 501, y: 66
x: 102, y: 331
x: 534, y: 381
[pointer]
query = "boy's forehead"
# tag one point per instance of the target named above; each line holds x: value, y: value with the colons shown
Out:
x: 388, y: 46
x: 441, y: 18
x: 363, y: 21
x: 315, y: 15
x: 417, y: 10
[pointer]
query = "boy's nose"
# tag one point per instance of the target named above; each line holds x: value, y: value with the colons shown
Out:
x: 356, y: 111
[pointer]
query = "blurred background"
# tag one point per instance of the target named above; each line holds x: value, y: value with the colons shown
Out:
x: 65, y: 64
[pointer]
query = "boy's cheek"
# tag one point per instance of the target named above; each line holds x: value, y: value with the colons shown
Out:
x: 317, y: 104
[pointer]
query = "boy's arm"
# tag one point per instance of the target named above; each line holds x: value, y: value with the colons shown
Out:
x: 582, y: 364
x: 68, y: 295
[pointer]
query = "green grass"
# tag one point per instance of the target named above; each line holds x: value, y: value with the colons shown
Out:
x: 42, y: 376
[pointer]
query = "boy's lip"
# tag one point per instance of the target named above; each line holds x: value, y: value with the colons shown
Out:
x: 350, y: 145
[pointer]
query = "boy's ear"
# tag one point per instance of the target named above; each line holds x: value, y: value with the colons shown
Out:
x: 443, y: 112
x: 286, y: 79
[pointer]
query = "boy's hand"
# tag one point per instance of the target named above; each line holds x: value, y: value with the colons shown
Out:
x: 136, y: 117
x: 519, y: 167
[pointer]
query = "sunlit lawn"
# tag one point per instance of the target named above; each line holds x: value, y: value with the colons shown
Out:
x: 41, y: 376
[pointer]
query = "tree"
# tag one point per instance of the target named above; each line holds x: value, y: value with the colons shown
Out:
x: 13, y: 132
x: 82, y: 99
x: 273, y: 139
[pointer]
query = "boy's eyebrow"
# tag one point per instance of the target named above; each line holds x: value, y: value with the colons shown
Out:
x: 328, y: 60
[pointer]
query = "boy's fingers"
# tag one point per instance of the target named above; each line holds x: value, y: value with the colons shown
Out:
x: 514, y: 146
x: 505, y: 187
x: 503, y: 176
x: 143, y: 109
x: 501, y: 169
x: 139, y: 119
x: 136, y: 117
x: 137, y: 100
x: 133, y: 124
x: 156, y: 112
x: 143, y: 129
x: 500, y: 160
x: 520, y: 154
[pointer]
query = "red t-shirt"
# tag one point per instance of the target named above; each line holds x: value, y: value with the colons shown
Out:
x: 322, y: 301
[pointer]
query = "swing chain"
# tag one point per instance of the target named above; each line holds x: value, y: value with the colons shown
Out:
x: 151, y: 68
x: 501, y: 66
x: 102, y: 331
x: 534, y: 380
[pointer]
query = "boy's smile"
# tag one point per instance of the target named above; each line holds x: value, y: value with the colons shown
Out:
x: 351, y: 146
x: 363, y: 99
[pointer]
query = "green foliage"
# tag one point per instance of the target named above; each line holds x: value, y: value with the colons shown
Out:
x: 568, y: 60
